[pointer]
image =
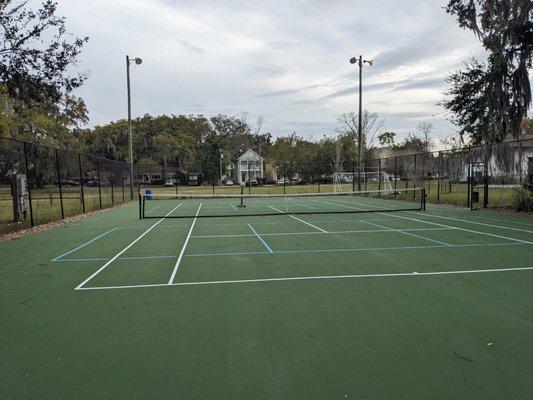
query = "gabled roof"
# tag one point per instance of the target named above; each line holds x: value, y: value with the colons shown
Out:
x: 250, y: 155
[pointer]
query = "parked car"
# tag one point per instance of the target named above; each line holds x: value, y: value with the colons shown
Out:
x: 298, y: 181
x: 283, y: 181
x: 228, y: 182
x: 92, y: 183
x: 170, y: 182
x: 252, y: 182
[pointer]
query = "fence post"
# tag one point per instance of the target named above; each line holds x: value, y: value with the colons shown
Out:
x: 28, y: 184
x: 415, y: 183
x: 395, y: 175
x: 138, y: 179
x: 99, y: 187
x: 122, y: 182
x: 318, y: 175
x: 379, y: 176
x: 353, y: 176
x: 366, y: 178
x: 112, y: 186
x: 439, y: 176
x: 486, y: 182
x: 58, y: 171
x: 249, y: 178
x: 81, y: 183
x: 284, y: 177
x: 469, y: 186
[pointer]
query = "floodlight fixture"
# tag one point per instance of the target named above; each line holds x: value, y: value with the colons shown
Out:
x: 360, y: 63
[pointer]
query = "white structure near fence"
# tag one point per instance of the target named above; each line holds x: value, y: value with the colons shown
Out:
x: 249, y: 165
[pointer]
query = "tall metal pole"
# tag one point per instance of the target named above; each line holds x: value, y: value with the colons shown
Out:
x: 130, y: 139
x: 360, y: 133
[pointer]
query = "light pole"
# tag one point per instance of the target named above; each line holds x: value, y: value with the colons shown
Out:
x: 137, y: 61
x: 361, y: 63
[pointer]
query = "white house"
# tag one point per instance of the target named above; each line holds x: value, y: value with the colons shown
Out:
x: 510, y: 163
x: 249, y: 165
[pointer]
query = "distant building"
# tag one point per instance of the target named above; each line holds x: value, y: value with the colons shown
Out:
x: 249, y: 165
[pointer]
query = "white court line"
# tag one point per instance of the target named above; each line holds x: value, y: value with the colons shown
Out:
x: 407, y: 233
x: 504, y: 221
x: 152, y: 209
x: 436, y: 224
x: 322, y: 277
x: 261, y: 239
x: 122, y: 251
x: 178, y: 261
x: 480, y: 223
x: 235, y: 208
x: 301, y: 220
x: 83, y: 245
x: 359, y: 249
x: 319, y: 233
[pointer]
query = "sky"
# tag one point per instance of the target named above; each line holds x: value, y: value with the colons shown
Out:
x: 284, y: 61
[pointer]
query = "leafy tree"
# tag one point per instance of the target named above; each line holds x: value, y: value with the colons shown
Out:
x: 37, y: 52
x: 386, y: 138
x: 36, y: 57
x: 488, y: 100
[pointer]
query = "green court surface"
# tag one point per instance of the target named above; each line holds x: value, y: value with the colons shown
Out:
x: 434, y: 304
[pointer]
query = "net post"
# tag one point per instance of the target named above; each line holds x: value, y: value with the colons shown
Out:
x: 81, y: 183
x: 423, y: 205
x: 58, y: 171
x: 242, y: 196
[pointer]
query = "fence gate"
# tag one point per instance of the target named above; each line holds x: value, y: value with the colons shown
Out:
x: 477, y: 186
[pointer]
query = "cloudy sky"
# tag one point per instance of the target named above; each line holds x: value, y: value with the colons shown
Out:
x: 286, y: 60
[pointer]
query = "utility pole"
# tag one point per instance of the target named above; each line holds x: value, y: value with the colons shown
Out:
x: 360, y: 63
x: 137, y: 61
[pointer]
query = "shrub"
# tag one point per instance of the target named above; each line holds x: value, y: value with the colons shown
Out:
x: 522, y: 200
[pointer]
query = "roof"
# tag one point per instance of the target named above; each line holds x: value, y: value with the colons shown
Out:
x: 250, y: 155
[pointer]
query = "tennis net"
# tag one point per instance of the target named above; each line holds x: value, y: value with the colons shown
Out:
x: 155, y: 205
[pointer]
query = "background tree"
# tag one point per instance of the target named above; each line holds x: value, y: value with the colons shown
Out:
x: 387, y: 139
x: 488, y: 100
x: 36, y: 55
x: 347, y: 124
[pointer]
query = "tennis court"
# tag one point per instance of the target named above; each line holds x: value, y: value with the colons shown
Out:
x: 323, y: 296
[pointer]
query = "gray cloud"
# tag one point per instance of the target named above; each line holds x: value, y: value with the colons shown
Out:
x: 284, y: 60
x: 191, y: 47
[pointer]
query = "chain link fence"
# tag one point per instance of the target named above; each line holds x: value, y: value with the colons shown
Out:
x: 476, y: 177
x: 39, y: 184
